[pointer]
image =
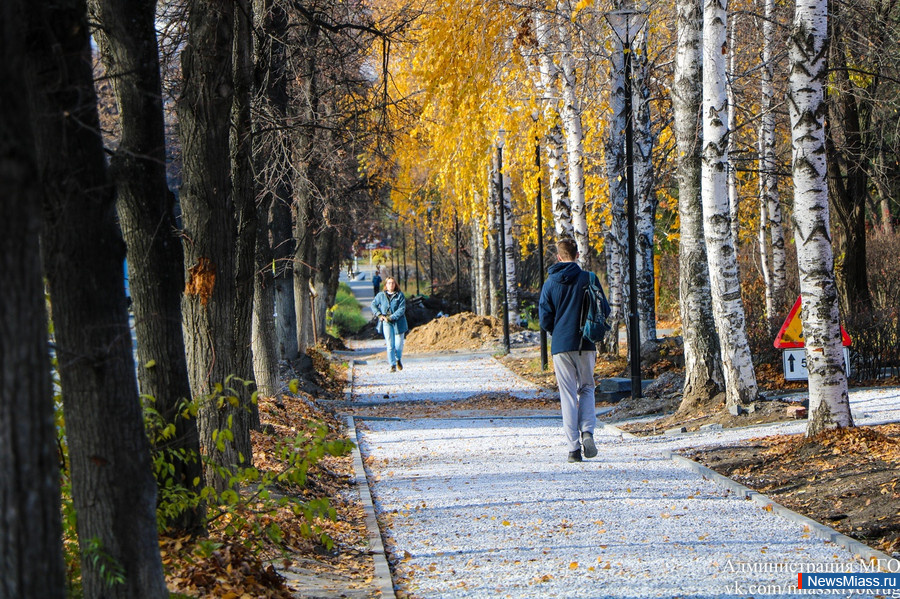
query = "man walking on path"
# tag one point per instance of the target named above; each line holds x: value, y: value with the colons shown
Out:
x: 574, y: 356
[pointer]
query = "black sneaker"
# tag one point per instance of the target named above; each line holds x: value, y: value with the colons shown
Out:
x: 575, y: 456
x: 399, y: 365
x: 393, y: 368
x: 587, y: 441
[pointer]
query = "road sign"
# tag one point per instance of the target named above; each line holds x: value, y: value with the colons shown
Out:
x: 791, y: 333
x: 794, y: 361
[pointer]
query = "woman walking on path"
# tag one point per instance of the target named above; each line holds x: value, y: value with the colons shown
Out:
x: 389, y: 307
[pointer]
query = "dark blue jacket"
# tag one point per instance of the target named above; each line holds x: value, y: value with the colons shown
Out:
x: 560, y: 307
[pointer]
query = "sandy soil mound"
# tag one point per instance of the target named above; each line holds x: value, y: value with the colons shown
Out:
x: 460, y: 331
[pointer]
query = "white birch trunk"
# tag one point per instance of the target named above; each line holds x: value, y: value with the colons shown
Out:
x: 512, y: 288
x: 479, y: 264
x: 728, y: 309
x: 733, y: 198
x: 615, y: 244
x: 774, y: 229
x: 495, y: 300
x: 644, y: 194
x: 559, y: 186
x: 702, y: 361
x: 571, y: 118
x: 554, y: 142
x: 765, y: 261
x: 829, y: 405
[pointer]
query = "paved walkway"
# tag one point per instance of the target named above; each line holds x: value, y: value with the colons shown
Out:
x: 488, y: 506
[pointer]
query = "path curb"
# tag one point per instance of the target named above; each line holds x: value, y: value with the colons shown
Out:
x: 818, y: 529
x: 383, y: 582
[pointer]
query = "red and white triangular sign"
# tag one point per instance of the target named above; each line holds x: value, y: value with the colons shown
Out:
x: 791, y: 333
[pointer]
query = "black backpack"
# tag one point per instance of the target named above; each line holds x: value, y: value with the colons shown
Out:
x: 594, y: 311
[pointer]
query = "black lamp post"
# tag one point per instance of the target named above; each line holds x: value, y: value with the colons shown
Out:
x: 405, y: 273
x: 456, y: 228
x: 502, y: 205
x: 627, y: 24
x: 416, y: 253
x: 430, y: 250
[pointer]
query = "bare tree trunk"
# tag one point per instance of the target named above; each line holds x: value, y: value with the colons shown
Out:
x: 127, y: 39
x: 702, y: 362
x: 113, y: 488
x: 829, y: 404
x: 284, y: 248
x: 244, y: 184
x: 265, y: 350
x: 728, y: 310
x: 304, y: 231
x: 274, y: 163
x: 210, y: 228
x: 848, y: 179
x: 31, y: 560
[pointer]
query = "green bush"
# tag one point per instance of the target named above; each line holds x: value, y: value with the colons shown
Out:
x: 346, y: 314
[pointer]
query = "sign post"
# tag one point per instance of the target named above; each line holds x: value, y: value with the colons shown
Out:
x: 790, y: 340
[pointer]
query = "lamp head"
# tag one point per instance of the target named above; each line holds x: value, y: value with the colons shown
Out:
x: 626, y: 24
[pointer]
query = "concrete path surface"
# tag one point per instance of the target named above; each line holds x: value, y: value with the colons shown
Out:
x: 487, y: 506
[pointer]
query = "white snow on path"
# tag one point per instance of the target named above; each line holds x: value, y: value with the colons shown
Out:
x: 435, y: 378
x: 490, y: 507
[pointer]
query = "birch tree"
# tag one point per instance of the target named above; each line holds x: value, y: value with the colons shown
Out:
x: 554, y: 143
x: 571, y: 118
x: 771, y: 230
x: 728, y: 309
x: 512, y: 287
x: 702, y: 362
x: 829, y: 405
x: 616, y: 234
x: 645, y: 198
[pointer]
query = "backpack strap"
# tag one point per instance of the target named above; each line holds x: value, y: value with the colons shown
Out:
x: 582, y: 316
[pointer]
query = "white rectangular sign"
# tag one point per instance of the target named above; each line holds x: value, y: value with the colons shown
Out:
x: 794, y: 361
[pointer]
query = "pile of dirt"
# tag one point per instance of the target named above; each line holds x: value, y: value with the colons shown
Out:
x: 464, y: 331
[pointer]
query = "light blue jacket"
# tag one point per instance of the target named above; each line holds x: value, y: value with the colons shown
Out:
x: 394, y: 307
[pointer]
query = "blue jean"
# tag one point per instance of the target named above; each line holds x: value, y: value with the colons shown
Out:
x: 394, y: 342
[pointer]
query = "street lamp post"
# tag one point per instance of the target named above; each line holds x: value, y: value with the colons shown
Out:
x: 416, y: 253
x: 502, y: 206
x: 627, y: 24
x: 430, y: 251
x: 456, y: 228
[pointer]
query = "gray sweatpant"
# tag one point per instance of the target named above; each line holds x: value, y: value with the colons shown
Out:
x: 575, y: 377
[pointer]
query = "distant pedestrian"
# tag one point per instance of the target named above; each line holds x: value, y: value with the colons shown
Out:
x: 574, y: 357
x: 389, y: 307
x: 376, y: 283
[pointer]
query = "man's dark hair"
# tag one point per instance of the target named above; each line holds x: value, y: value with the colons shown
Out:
x: 566, y: 249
